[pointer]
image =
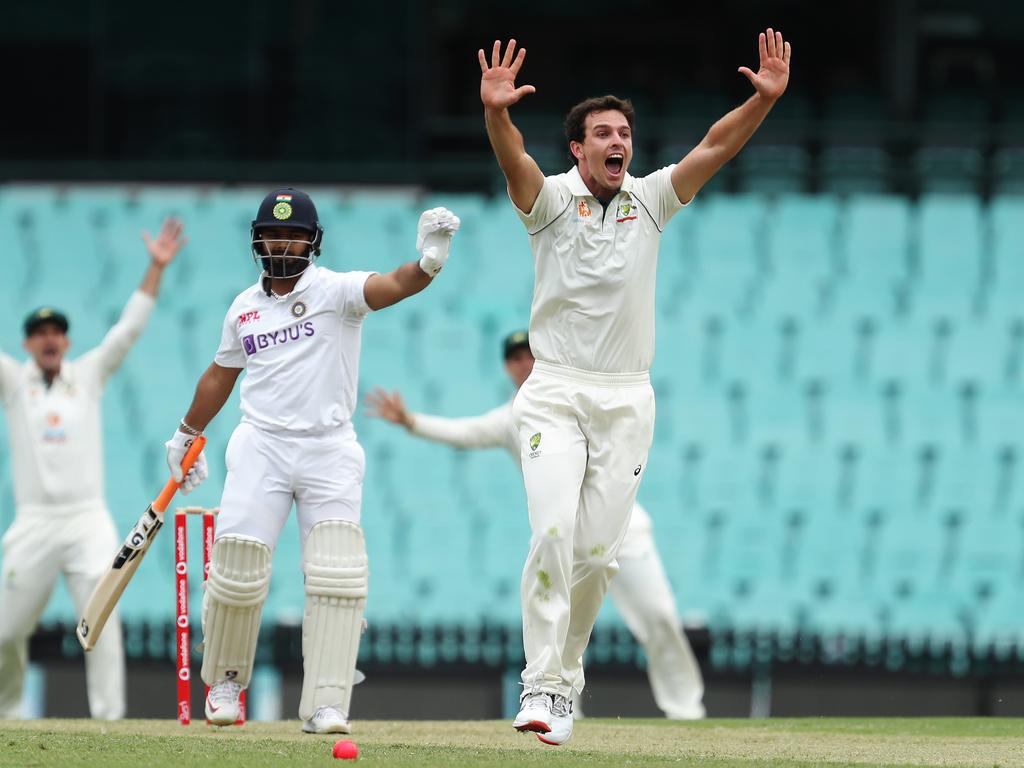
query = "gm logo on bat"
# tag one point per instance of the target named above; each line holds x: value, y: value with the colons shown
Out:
x: 142, y: 533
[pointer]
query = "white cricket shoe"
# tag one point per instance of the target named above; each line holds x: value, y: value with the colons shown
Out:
x: 327, y: 720
x: 222, y: 706
x: 561, y: 722
x: 548, y: 715
x: 534, y: 713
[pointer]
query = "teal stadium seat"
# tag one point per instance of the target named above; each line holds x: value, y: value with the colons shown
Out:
x: 1006, y: 284
x: 874, y: 255
x: 727, y: 258
x: 948, y: 254
x: 801, y: 246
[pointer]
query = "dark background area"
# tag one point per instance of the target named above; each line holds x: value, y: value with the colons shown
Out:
x: 388, y: 92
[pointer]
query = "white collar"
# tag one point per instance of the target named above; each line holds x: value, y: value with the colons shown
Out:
x: 579, y: 188
x: 63, y: 375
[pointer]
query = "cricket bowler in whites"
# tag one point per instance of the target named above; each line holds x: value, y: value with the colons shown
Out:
x: 586, y: 414
x: 296, y: 332
x: 61, y: 522
x: 641, y: 589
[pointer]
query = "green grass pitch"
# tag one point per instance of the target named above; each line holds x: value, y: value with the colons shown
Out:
x: 596, y: 743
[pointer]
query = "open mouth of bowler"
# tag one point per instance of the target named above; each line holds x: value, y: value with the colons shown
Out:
x: 614, y: 163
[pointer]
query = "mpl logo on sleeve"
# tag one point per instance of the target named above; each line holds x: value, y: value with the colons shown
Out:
x: 248, y: 317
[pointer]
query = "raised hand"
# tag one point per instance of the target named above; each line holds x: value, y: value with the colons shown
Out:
x: 388, y: 406
x: 434, y: 235
x: 498, y: 82
x: 167, y: 243
x: 772, y: 75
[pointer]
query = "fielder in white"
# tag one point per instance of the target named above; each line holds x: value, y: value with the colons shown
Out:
x: 296, y: 333
x: 641, y: 589
x: 586, y: 414
x: 61, y: 523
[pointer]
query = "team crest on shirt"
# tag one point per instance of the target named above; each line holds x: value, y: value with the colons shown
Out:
x: 54, y: 431
x: 298, y: 309
x: 534, y: 445
x: 625, y: 212
x: 583, y: 209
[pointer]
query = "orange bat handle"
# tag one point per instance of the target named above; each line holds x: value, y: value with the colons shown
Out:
x: 161, y: 502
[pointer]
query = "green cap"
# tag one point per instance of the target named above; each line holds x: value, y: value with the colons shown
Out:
x: 45, y: 315
x: 514, y: 342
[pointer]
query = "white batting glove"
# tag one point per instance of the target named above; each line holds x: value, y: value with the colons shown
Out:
x: 434, y: 238
x: 176, y: 448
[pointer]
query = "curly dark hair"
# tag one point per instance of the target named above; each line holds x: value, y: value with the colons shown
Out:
x: 575, y: 121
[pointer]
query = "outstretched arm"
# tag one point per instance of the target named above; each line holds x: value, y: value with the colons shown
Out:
x: 728, y: 135
x: 488, y: 430
x: 434, y: 236
x: 498, y: 92
x: 162, y: 251
x: 111, y: 352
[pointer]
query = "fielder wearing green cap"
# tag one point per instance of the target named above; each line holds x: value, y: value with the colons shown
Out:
x: 61, y: 523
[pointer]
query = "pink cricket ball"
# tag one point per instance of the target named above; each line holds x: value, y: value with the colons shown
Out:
x: 345, y: 750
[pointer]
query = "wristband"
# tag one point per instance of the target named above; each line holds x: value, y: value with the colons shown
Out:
x: 189, y: 430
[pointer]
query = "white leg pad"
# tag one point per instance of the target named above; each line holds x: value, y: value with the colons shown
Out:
x: 235, y: 592
x: 336, y: 579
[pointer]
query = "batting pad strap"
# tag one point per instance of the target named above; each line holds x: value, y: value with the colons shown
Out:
x: 240, y: 590
x: 335, y: 561
x: 236, y: 589
x: 326, y: 581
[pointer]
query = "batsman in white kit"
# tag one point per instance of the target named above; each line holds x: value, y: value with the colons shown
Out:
x: 641, y: 589
x: 586, y: 414
x: 296, y: 333
x: 61, y: 522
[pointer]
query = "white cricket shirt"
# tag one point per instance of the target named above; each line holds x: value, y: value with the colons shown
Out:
x: 56, y: 432
x: 497, y: 429
x: 593, y: 296
x: 300, y: 352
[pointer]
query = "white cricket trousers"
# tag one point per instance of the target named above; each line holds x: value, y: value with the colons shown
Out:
x: 36, y: 548
x: 322, y: 474
x: 584, y: 439
x: 643, y: 595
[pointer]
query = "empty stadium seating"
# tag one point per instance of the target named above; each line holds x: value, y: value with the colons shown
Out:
x: 839, y: 382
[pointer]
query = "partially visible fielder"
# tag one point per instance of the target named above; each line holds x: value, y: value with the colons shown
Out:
x: 641, y: 590
x: 61, y: 522
x: 297, y: 334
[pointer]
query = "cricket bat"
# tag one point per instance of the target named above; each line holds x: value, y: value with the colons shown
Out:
x: 111, y: 586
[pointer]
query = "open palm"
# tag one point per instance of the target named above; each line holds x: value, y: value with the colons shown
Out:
x: 772, y: 75
x: 498, y: 80
x: 388, y: 406
x: 165, y: 246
